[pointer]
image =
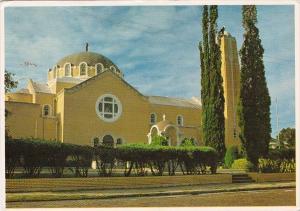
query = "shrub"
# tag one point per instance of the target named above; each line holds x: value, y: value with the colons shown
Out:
x: 187, y: 142
x: 278, y: 161
x: 81, y: 158
x: 159, y: 140
x: 232, y: 154
x: 35, y: 154
x: 191, y: 159
x: 242, y: 164
x: 196, y: 159
x: 105, y: 158
x: 12, y: 156
x: 58, y: 157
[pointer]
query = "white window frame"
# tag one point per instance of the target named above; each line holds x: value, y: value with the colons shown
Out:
x: 86, y: 69
x: 102, y: 68
x: 155, y: 118
x: 113, y: 68
x: 70, y: 75
x: 181, y: 117
x: 115, y: 116
x: 49, y: 111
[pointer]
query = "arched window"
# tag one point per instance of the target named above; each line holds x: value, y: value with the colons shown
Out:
x: 119, y: 141
x: 152, y: 118
x: 83, y: 68
x: 68, y: 69
x: 112, y: 68
x: 108, y: 140
x: 179, y: 120
x: 96, y: 141
x: 46, y: 110
x: 99, y: 68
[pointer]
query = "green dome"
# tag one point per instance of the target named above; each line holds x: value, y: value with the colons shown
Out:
x: 90, y: 58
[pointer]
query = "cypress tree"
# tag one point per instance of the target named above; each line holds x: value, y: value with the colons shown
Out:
x: 254, y: 105
x: 204, y: 60
x: 212, y: 93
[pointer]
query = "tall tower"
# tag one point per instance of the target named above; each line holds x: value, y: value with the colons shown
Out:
x: 230, y: 71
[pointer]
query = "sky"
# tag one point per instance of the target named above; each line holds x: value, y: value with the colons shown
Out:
x: 156, y: 47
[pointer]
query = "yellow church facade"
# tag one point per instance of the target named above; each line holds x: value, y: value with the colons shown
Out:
x: 87, y: 101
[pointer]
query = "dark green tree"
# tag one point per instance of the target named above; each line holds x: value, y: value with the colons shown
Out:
x: 212, y: 93
x: 254, y: 105
x: 287, y: 137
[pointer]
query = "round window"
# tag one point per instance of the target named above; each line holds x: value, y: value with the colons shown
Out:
x: 108, y: 108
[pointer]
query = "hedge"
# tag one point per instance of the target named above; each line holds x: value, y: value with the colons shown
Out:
x: 34, y: 154
x: 278, y: 161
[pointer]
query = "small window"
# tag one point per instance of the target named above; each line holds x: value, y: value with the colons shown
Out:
x: 152, y: 118
x: 83, y: 68
x: 179, y: 120
x: 99, y: 68
x: 68, y: 69
x: 119, y: 141
x: 46, y: 110
x: 112, y: 68
x: 96, y: 142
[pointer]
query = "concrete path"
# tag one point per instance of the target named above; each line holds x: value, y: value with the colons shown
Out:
x: 144, y: 192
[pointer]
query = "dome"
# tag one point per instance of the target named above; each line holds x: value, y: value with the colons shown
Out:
x: 90, y: 58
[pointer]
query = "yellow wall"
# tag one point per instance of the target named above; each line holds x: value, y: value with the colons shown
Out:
x: 76, y: 120
x: 58, y: 86
x: 191, y: 119
x: 59, y: 110
x: 80, y: 114
x: 230, y: 71
x: 25, y: 121
x: 19, y: 97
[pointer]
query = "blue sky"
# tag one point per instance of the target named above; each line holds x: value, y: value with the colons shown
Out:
x: 155, y: 47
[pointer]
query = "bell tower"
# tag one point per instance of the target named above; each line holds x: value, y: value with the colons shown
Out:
x: 230, y: 71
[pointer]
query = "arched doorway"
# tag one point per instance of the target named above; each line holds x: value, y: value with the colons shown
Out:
x: 171, y: 134
x: 108, y: 140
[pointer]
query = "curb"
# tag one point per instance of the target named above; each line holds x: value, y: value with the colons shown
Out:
x: 171, y: 193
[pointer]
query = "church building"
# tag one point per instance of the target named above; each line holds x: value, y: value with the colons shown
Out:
x: 87, y: 101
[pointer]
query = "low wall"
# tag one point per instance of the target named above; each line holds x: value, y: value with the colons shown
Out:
x: 272, y: 177
x: 47, y: 184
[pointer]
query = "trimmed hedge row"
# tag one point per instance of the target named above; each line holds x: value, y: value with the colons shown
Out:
x: 278, y: 161
x: 35, y: 154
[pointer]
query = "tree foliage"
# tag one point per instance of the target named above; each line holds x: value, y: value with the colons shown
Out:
x: 254, y: 105
x: 232, y: 154
x: 212, y: 93
x: 9, y: 81
x: 287, y: 137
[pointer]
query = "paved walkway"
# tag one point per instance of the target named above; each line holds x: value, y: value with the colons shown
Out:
x: 143, y: 192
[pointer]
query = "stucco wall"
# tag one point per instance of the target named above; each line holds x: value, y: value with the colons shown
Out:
x: 24, y: 120
x: 19, y: 97
x: 81, y: 122
x: 231, y: 82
